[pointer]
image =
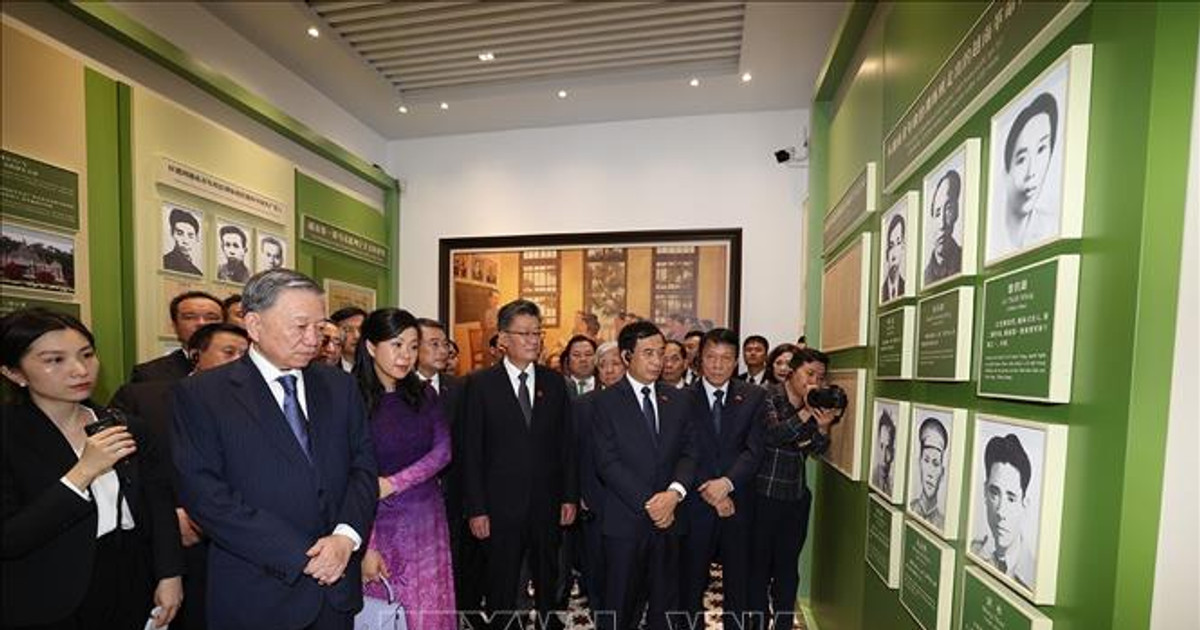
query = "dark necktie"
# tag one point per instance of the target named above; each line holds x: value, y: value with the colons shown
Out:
x: 719, y: 397
x: 648, y: 412
x: 293, y: 413
x: 524, y: 400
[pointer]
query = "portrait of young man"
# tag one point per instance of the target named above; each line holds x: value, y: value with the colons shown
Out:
x: 271, y: 252
x: 185, y: 243
x: 895, y: 252
x: 1007, y: 473
x: 233, y: 246
x: 942, y: 208
x: 882, y: 474
x: 932, y: 456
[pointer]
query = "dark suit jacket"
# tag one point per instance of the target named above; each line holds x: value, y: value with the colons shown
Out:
x: 951, y: 262
x: 734, y: 453
x: 512, y: 472
x: 171, y: 367
x: 49, y: 537
x: 245, y: 479
x: 591, y: 488
x: 632, y: 464
x: 176, y: 260
x: 151, y: 401
x: 883, y: 288
x: 450, y: 397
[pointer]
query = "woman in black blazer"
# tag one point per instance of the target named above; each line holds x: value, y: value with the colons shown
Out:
x: 71, y: 558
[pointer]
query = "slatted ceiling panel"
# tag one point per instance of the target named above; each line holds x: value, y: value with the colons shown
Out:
x: 423, y: 46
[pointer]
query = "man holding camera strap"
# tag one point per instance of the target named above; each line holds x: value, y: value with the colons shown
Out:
x: 799, y: 413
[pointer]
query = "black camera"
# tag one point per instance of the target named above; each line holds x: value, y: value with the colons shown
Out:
x: 831, y: 397
x: 105, y: 418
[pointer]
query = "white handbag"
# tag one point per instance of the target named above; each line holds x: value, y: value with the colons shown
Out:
x: 381, y: 614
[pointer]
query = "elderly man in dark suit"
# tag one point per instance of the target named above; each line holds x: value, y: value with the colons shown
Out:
x: 645, y: 453
x: 520, y: 478
x: 727, y: 416
x: 189, y: 311
x: 276, y: 465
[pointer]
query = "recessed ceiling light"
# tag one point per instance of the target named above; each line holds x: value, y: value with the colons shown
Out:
x: 444, y: 105
x: 746, y: 76
x: 487, y: 56
x: 694, y: 82
x: 562, y: 94
x: 403, y: 109
x: 313, y: 32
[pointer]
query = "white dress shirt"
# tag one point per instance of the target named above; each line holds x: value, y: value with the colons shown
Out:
x: 585, y: 385
x: 637, y: 392
x: 514, y: 378
x: 347, y: 366
x: 104, y: 490
x: 434, y: 381
x: 271, y: 374
x: 756, y: 378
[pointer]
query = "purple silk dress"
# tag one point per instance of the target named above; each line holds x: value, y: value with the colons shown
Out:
x: 410, y: 525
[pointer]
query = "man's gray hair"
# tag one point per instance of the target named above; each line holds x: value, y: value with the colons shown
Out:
x: 264, y: 287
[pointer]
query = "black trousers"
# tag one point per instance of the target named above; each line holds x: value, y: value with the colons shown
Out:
x: 779, y: 530
x: 711, y: 538
x: 592, y: 562
x: 192, y: 614
x: 642, y: 570
x: 537, y: 541
x: 120, y: 595
x: 330, y: 619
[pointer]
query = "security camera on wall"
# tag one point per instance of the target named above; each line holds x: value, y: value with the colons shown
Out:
x: 793, y: 156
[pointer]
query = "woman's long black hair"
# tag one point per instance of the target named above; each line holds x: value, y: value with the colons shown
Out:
x: 383, y: 325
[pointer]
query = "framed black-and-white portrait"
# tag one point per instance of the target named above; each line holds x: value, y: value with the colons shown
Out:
x: 1017, y: 472
x: 270, y: 251
x: 950, y: 216
x: 234, y: 252
x: 182, y: 240
x: 898, y: 261
x: 1038, y: 158
x: 889, y: 448
x: 937, y: 438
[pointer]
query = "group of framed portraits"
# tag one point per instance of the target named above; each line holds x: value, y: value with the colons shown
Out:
x: 1036, y: 161
x: 1014, y: 478
x: 237, y: 250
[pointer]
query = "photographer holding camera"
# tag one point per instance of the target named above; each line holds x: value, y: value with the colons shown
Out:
x: 799, y: 413
x: 90, y: 535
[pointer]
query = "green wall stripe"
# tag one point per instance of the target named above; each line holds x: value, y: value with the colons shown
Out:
x: 111, y: 21
x: 845, y: 39
x: 114, y: 342
x: 1166, y: 174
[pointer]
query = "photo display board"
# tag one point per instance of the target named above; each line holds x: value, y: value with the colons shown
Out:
x: 895, y: 349
x: 927, y: 579
x: 884, y: 529
x: 950, y: 217
x: 1017, y: 473
x: 1027, y: 350
x: 897, y: 259
x: 944, y: 324
x: 889, y: 448
x: 845, y: 288
x: 938, y: 436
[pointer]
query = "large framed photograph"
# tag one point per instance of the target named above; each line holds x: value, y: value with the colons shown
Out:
x: 897, y: 261
x: 36, y: 259
x: 846, y: 295
x: 235, y: 256
x: 271, y: 251
x: 950, y: 216
x: 846, y: 435
x: 935, y: 463
x: 339, y: 295
x: 590, y: 283
x: 1038, y: 160
x: 889, y: 448
x: 182, y: 240
x: 1017, y: 473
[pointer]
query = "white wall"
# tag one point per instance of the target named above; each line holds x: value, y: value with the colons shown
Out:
x: 1177, y: 570
x: 667, y: 173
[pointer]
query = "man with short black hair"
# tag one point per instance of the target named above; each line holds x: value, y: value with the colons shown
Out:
x: 581, y: 365
x: 233, y: 247
x: 520, y: 476
x: 754, y: 355
x: 691, y: 341
x: 233, y: 310
x: 350, y: 320
x: 931, y: 467
x: 646, y: 456
x: 885, y: 453
x: 727, y: 418
x: 946, y: 258
x: 1005, y: 496
x: 189, y: 311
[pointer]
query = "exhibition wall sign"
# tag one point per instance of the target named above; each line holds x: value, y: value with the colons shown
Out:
x: 1006, y: 36
x: 209, y: 186
x: 927, y: 579
x: 986, y: 605
x: 1027, y: 330
x: 318, y: 232
x: 856, y: 204
x: 1017, y: 472
x: 894, y: 351
x: 944, y: 335
x: 35, y: 191
x: 884, y: 528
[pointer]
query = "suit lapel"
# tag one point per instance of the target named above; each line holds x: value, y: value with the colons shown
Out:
x: 734, y: 398
x: 252, y: 393
x: 46, y: 439
x: 632, y: 401
x: 317, y: 399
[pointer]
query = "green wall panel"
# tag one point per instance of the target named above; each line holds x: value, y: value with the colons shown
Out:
x: 1144, y: 60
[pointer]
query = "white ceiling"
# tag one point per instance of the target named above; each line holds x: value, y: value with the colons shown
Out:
x: 616, y: 60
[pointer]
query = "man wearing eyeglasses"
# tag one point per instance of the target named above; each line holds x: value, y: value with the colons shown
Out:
x: 520, y: 480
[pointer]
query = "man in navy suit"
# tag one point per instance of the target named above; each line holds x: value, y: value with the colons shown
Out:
x: 645, y: 454
x: 727, y: 416
x: 276, y: 466
x: 520, y: 477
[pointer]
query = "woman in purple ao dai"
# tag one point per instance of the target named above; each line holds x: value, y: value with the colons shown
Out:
x: 409, y: 545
